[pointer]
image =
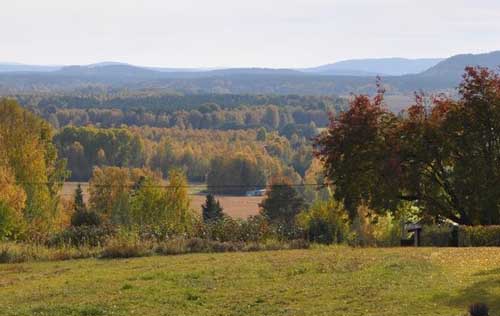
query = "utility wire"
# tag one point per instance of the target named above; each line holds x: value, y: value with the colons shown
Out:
x: 189, y: 186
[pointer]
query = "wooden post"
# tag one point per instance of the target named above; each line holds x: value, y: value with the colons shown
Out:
x: 416, y: 230
x: 417, y: 237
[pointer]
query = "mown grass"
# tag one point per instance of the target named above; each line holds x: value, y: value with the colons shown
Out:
x: 319, y: 281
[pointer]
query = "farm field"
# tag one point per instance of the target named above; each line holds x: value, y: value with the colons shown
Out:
x: 319, y: 281
x: 234, y: 206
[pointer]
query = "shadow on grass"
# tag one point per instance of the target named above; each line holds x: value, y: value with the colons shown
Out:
x: 485, y: 290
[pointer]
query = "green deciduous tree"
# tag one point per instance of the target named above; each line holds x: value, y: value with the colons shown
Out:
x: 281, y: 205
x: 235, y: 175
x: 109, y: 192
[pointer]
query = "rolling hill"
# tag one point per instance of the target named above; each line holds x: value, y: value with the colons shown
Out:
x: 453, y: 67
x: 376, y: 66
x: 443, y: 76
x: 16, y: 67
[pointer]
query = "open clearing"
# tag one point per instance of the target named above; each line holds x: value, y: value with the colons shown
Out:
x: 234, y: 206
x: 319, y: 281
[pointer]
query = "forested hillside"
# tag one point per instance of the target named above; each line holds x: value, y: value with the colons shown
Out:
x: 113, y: 77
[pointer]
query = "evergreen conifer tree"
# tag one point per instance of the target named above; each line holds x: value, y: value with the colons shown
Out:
x: 212, y: 210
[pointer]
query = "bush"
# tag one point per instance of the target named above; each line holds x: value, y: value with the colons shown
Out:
x: 17, y: 253
x: 324, y: 222
x: 437, y: 236
x: 82, y: 236
x: 10, y: 221
x: 121, y: 248
x: 253, y: 229
x: 479, y: 236
x: 85, y: 218
x: 174, y: 246
x: 198, y: 245
x: 369, y: 229
x: 6, y: 255
x: 299, y: 244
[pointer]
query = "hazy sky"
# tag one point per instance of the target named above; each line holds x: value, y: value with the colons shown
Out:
x: 264, y: 33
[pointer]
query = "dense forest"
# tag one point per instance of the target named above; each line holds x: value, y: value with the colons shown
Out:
x: 203, y: 135
x: 187, y: 111
x: 194, y: 151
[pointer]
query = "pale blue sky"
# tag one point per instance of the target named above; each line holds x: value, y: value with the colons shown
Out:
x: 223, y: 33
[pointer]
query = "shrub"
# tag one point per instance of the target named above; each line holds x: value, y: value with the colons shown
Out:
x: 324, y: 222
x: 299, y: 244
x: 226, y: 246
x: 16, y: 253
x: 226, y: 229
x: 198, y: 245
x: 479, y: 236
x: 156, y: 233
x: 253, y: 229
x: 5, y: 255
x: 85, y: 218
x: 82, y: 235
x: 174, y: 246
x: 121, y: 248
x: 10, y: 221
x: 436, y: 236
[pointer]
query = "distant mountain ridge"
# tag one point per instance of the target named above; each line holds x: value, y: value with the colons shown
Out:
x: 353, y: 67
x: 323, y: 80
x: 377, y: 66
x: 108, y: 70
x: 454, y: 66
x: 17, y: 67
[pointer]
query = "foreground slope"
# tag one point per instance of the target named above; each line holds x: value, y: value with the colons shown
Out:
x: 323, y: 281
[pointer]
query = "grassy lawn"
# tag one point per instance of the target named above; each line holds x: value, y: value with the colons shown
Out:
x: 320, y: 281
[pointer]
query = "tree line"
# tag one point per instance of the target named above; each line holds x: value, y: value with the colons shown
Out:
x: 213, y: 111
x: 220, y: 157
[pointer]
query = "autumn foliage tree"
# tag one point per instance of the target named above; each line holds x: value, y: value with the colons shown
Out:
x: 30, y: 170
x: 12, y: 203
x: 356, y: 153
x: 442, y: 155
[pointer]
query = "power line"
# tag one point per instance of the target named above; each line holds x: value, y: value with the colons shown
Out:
x: 187, y: 186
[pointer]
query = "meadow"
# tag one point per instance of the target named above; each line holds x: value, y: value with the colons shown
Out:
x: 332, y: 280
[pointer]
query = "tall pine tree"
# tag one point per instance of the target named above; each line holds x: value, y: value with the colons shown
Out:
x: 82, y: 217
x: 212, y: 211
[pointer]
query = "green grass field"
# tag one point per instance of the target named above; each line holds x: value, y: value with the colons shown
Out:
x: 319, y: 281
